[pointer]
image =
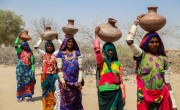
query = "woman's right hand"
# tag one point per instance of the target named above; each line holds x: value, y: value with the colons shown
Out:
x: 136, y: 22
x: 97, y: 29
x: 64, y: 85
x: 35, y: 47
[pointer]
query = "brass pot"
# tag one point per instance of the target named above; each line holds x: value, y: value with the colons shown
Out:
x: 69, y: 29
x: 152, y: 21
x: 109, y: 32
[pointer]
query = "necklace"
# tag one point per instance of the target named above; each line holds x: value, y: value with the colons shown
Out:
x: 70, y: 57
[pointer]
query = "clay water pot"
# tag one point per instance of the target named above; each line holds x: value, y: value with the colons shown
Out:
x: 69, y: 29
x: 109, y: 32
x: 24, y: 36
x: 152, y: 21
x: 49, y: 34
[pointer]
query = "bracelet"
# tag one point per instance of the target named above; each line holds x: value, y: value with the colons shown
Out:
x: 173, y: 99
x: 131, y: 33
x: 123, y: 90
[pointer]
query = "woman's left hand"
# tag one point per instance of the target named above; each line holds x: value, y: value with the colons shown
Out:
x: 79, y: 85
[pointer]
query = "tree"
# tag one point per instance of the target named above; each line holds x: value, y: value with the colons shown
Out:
x: 10, y: 26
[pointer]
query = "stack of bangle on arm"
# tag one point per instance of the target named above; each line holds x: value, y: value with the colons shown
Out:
x: 59, y: 65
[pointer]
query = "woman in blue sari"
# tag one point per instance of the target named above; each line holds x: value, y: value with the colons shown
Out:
x: 70, y: 74
x: 24, y: 71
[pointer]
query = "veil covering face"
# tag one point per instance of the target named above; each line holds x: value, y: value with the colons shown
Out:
x: 107, y: 57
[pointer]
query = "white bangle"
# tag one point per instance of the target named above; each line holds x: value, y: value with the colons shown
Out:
x: 59, y: 62
x: 136, y: 50
x: 131, y: 34
x: 80, y: 61
x: 166, y: 76
x: 39, y: 42
x: 80, y: 76
x: 61, y: 77
x: 173, y: 99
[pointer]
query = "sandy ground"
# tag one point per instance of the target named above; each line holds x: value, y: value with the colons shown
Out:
x: 8, y: 91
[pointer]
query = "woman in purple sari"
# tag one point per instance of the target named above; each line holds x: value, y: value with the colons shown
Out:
x: 70, y: 75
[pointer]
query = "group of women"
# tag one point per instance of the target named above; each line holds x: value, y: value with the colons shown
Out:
x: 62, y: 73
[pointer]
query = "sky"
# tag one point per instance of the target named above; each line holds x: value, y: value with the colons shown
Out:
x: 86, y: 11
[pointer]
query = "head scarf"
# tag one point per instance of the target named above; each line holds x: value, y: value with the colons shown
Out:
x: 107, y: 57
x: 147, y: 38
x: 24, y: 43
x: 46, y: 45
x: 144, y: 46
x: 64, y: 44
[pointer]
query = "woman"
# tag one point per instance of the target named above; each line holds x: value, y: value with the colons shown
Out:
x: 111, y: 90
x: 49, y: 75
x: 153, y: 87
x: 24, y: 71
x: 70, y: 74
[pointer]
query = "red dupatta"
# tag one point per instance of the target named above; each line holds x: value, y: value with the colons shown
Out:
x: 146, y: 97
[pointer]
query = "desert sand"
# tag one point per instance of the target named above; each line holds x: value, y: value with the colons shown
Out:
x: 8, y: 91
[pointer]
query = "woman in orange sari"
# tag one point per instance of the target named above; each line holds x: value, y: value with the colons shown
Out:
x: 49, y: 74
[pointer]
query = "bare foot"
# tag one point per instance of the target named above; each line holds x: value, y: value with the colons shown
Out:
x: 18, y: 100
x: 25, y: 99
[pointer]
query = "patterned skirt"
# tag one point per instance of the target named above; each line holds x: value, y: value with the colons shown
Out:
x: 25, y: 80
x: 71, y: 98
x: 48, y: 89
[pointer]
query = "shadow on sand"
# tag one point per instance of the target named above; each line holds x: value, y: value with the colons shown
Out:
x: 38, y: 98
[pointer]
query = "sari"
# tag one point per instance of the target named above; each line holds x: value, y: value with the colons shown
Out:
x: 24, y: 74
x: 71, y: 98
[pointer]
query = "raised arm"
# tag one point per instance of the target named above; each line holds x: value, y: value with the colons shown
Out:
x: 32, y: 59
x: 97, y: 49
x: 60, y: 42
x: 36, y: 47
x: 136, y: 50
x: 16, y: 42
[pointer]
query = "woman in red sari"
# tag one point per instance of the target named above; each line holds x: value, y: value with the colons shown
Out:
x: 49, y: 75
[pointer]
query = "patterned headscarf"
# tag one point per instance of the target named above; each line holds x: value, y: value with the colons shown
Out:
x: 24, y: 43
x: 46, y: 45
x: 147, y: 38
x: 144, y: 46
x: 107, y: 57
x: 64, y: 44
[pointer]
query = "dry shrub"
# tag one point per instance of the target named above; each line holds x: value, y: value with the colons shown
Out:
x: 7, y: 55
x: 174, y: 56
x: 126, y: 57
